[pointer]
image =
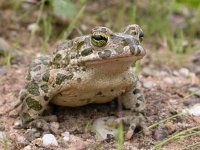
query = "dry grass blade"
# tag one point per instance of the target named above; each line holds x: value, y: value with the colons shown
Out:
x: 191, y: 146
x: 178, y: 136
x: 72, y: 24
x: 169, y: 118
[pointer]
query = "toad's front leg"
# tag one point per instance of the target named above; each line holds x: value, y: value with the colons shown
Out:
x: 134, y: 100
x: 37, y: 94
x: 35, y: 97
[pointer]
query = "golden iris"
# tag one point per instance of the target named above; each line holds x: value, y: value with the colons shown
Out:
x: 99, y: 39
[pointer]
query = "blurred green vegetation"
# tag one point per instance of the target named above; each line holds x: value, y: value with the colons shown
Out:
x: 153, y: 15
x: 171, y: 25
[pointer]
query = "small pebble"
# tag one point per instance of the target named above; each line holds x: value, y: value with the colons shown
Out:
x: 66, y: 136
x: 80, y: 145
x: 37, y: 142
x: 49, y: 139
x: 3, y: 72
x: 168, y: 80
x: 148, y: 85
x: 184, y: 72
x: 27, y: 147
x: 173, y: 102
x: 37, y: 134
x: 33, y: 27
x: 2, y: 135
x: 147, y: 72
x: 54, y: 126
x: 163, y: 73
x: 194, y: 110
x: 194, y: 90
x: 104, y: 128
x: 160, y: 133
x: 2, y: 126
x: 32, y: 134
x: 18, y: 124
x: 191, y: 101
x: 22, y: 140
x: 4, y: 46
x: 176, y: 73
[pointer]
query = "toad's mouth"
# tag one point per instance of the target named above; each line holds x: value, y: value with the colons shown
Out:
x: 128, y: 53
x: 112, y: 60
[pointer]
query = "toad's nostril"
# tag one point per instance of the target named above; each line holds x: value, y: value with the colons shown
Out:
x: 137, y: 50
x: 132, y: 49
x: 140, y: 50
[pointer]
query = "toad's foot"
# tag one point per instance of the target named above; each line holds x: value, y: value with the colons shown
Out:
x: 136, y: 123
x: 40, y: 123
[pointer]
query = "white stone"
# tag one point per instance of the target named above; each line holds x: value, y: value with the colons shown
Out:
x: 49, y: 139
x: 194, y: 110
x: 27, y: 147
x: 104, y: 127
x: 66, y: 136
x: 4, y: 45
x: 168, y: 80
x: 173, y: 102
x: 18, y: 124
x: 148, y: 85
x: 33, y: 27
x: 184, y: 72
x: 2, y: 135
x: 21, y: 139
x: 194, y: 90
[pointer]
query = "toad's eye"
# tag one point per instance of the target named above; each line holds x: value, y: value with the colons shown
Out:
x: 141, y: 36
x: 134, y: 32
x: 99, y: 39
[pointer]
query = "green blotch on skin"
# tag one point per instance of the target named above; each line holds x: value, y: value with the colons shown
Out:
x: 44, y: 88
x: 37, y: 68
x: 33, y: 104
x: 105, y: 54
x: 80, y: 44
x: 45, y: 77
x: 28, y: 77
x: 86, y: 52
x: 26, y: 118
x: 33, y: 88
x: 119, y: 49
x: 61, y: 77
x: 66, y: 60
x: 57, y: 58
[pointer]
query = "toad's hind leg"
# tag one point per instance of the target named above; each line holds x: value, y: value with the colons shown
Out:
x: 134, y: 99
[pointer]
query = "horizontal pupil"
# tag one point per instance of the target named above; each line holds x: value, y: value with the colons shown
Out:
x: 99, y: 37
